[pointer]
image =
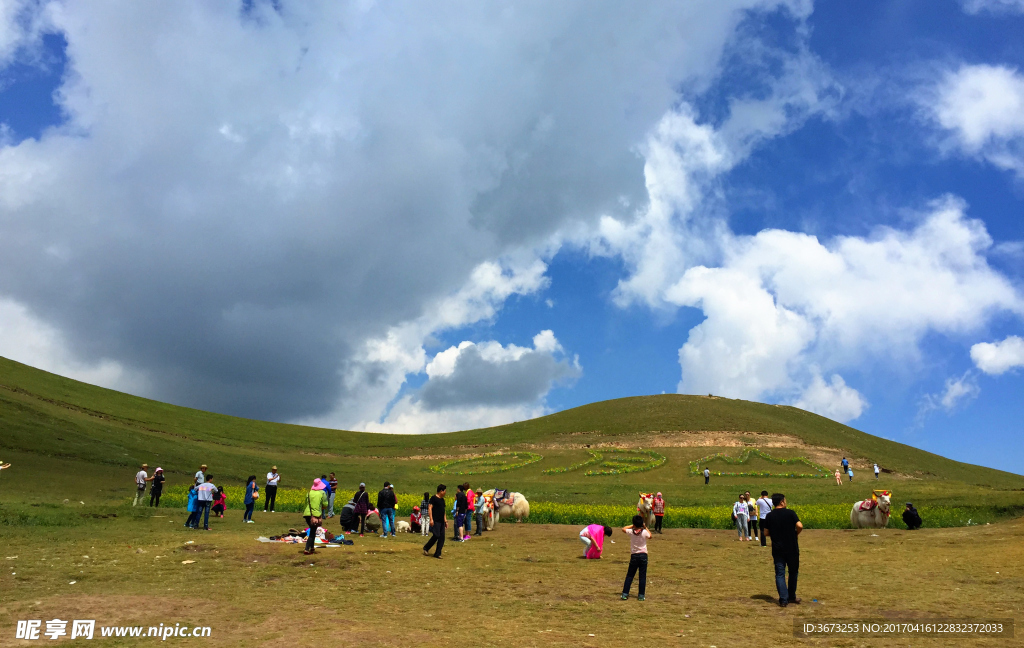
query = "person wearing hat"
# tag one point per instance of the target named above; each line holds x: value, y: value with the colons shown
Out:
x: 316, y: 504
x: 200, y: 475
x: 362, y: 501
x: 658, y: 508
x: 911, y: 517
x: 386, y: 503
x: 141, y: 478
x: 158, y: 487
x: 272, y: 479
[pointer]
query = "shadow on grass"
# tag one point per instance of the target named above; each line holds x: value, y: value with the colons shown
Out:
x: 763, y: 597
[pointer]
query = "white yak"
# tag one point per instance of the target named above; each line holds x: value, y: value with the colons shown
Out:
x: 494, y: 511
x: 645, y: 509
x: 871, y: 513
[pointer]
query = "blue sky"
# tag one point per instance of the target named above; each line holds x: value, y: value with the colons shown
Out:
x: 324, y: 213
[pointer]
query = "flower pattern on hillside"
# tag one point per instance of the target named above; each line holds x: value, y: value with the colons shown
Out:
x: 746, y: 454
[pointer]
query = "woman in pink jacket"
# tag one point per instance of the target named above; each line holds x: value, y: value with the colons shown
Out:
x: 592, y: 538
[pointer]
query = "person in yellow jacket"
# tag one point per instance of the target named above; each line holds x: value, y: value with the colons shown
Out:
x: 316, y: 502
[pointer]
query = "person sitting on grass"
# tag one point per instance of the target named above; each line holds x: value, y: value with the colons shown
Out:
x: 911, y: 517
x: 592, y: 538
x: 414, y: 519
x: 220, y: 504
x: 638, y: 535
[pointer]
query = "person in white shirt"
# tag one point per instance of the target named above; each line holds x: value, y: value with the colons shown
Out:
x: 141, y: 478
x: 638, y: 535
x: 739, y: 510
x: 876, y: 471
x: 272, y: 480
x: 707, y: 476
x: 205, y: 494
x: 201, y: 475
x: 764, y: 507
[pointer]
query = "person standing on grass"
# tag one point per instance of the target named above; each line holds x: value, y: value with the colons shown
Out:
x: 783, y: 526
x: 272, y: 481
x: 157, y: 489
x: 386, y: 503
x: 638, y: 535
x: 252, y: 493
x: 658, y: 508
x: 200, y: 475
x: 478, y: 513
x: 362, y: 500
x: 740, y: 512
x: 192, y: 505
x: 849, y: 471
x: 845, y: 464
x: 764, y: 507
x: 206, y: 493
x: 425, y: 514
x: 839, y: 478
x: 316, y: 500
x: 141, y: 478
x: 471, y: 507
x: 438, y: 522
x: 876, y: 471
x: 751, y: 516
x: 461, y: 509
x: 332, y: 483
x: 707, y: 475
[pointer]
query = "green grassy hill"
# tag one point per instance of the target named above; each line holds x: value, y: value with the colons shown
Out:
x: 70, y: 439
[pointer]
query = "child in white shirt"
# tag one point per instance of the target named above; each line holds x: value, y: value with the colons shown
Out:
x: 638, y: 535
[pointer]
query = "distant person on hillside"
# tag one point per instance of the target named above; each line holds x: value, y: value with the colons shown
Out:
x: 207, y: 492
x: 461, y: 510
x: 911, y: 517
x: 638, y: 535
x: 157, y: 489
x: 332, y: 483
x: 425, y: 514
x: 876, y: 471
x: 849, y: 471
x: 593, y: 538
x: 273, y: 479
x: 741, y: 513
x: 438, y: 522
x: 362, y: 500
x: 839, y: 478
x: 707, y: 475
x: 192, y: 505
x: 316, y: 501
x: 764, y: 507
x: 658, y: 508
x: 783, y: 526
x: 751, y: 516
x: 141, y: 478
x: 200, y: 475
x: 845, y: 463
x: 386, y: 504
x: 252, y: 493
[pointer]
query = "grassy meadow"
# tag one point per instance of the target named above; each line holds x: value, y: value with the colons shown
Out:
x: 75, y: 547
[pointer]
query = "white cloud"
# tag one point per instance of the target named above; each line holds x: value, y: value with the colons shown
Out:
x: 267, y: 208
x: 982, y: 107
x: 481, y: 384
x: 993, y: 6
x: 834, y: 399
x: 956, y: 393
x: 996, y: 358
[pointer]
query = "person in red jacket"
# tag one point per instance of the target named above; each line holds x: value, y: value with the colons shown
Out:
x: 658, y: 508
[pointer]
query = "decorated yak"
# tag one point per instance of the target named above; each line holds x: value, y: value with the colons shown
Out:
x: 645, y: 508
x: 871, y: 513
x: 503, y: 504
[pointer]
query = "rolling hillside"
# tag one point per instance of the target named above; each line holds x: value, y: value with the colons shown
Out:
x: 87, y: 439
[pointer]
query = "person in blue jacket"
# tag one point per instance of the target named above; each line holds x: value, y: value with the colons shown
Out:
x: 193, y: 509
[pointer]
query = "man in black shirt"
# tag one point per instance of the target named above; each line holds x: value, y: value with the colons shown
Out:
x: 438, y: 523
x: 461, y: 510
x: 783, y: 526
